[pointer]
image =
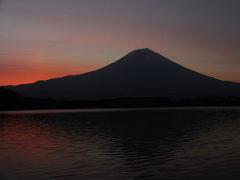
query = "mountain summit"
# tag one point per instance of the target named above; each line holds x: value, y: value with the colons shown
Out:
x: 141, y: 73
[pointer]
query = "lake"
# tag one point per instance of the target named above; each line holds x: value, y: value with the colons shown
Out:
x: 119, y: 144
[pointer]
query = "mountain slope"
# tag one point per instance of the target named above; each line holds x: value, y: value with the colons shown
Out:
x: 6, y: 94
x: 141, y: 73
x: 8, y: 98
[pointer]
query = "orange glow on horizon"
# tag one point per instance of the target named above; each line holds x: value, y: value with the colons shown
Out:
x: 32, y: 72
x: 20, y: 77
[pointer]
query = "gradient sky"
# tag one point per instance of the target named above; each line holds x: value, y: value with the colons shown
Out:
x: 42, y: 39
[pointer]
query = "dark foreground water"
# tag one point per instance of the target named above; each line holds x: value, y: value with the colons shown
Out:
x: 151, y: 144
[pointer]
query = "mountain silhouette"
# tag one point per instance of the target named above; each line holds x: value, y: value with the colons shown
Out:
x: 8, y: 98
x: 7, y: 94
x: 141, y: 73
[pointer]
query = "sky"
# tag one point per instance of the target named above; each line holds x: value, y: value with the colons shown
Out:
x: 43, y: 39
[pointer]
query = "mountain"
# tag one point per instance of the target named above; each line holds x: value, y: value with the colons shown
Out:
x: 6, y: 94
x: 8, y: 98
x: 141, y: 73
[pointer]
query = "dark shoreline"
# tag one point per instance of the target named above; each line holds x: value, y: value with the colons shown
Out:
x: 21, y: 103
x: 89, y: 110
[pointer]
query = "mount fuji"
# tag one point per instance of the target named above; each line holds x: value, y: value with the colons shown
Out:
x: 141, y: 73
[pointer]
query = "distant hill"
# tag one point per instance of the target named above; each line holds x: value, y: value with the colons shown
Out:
x: 6, y: 94
x: 9, y: 99
x: 141, y: 73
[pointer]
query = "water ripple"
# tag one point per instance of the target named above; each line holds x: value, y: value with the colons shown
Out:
x: 192, y: 143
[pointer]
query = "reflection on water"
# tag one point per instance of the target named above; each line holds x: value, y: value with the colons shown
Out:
x: 122, y: 144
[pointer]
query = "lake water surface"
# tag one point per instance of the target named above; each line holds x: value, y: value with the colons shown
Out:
x: 147, y: 144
